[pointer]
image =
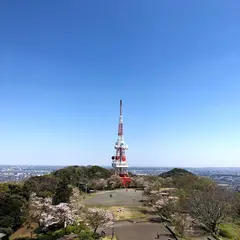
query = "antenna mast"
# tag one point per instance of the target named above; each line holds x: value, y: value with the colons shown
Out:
x: 119, y: 161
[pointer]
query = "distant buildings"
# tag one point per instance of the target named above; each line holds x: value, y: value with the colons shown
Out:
x: 229, y: 177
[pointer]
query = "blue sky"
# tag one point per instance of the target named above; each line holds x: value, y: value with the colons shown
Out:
x: 64, y: 66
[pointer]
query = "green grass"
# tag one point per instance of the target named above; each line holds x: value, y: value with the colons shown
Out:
x: 129, y: 212
x: 230, y: 231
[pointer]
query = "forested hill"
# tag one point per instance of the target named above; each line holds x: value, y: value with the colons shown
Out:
x: 47, y: 185
x: 75, y: 174
x: 176, y: 172
x: 61, y: 191
x: 14, y: 197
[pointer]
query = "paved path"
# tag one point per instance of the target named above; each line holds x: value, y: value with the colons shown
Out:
x: 139, y: 231
x: 120, y: 197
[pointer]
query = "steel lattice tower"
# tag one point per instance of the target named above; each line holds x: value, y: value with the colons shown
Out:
x: 119, y: 161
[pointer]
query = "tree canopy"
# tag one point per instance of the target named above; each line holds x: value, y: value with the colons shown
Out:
x: 175, y: 172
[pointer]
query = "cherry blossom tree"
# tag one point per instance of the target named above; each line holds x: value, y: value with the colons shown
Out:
x: 140, y: 181
x: 97, y: 217
x: 151, y: 187
x: 45, y: 214
x: 99, y: 184
x: 165, y: 207
x: 114, y: 182
x: 180, y: 222
x: 75, y: 201
x: 37, y: 206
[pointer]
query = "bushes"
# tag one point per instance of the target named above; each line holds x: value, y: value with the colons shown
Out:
x: 12, y: 206
x: 82, y: 231
x: 43, y: 186
x: 62, y: 194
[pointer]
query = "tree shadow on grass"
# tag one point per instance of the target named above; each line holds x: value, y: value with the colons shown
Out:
x: 148, y: 211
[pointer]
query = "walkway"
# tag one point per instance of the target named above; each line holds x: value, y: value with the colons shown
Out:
x: 139, y: 231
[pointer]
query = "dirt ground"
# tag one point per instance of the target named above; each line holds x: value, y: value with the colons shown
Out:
x: 23, y: 232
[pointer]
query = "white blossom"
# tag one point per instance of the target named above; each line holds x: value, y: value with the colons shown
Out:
x: 99, y: 217
x: 114, y: 182
x: 46, y: 214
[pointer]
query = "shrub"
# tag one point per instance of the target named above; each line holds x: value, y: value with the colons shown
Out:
x: 87, y: 235
x: 59, y: 233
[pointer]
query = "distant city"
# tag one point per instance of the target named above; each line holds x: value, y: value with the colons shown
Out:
x: 224, y: 176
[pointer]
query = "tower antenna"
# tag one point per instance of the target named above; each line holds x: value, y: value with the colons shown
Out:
x: 120, y: 107
x: 119, y: 161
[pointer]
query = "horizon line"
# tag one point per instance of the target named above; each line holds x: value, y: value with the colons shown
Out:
x: 108, y: 166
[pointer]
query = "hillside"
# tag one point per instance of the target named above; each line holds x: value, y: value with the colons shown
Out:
x: 48, y: 185
x: 14, y: 197
x: 176, y: 172
x: 76, y: 174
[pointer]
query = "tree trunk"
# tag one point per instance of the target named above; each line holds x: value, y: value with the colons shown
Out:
x: 39, y: 224
x: 95, y: 229
x: 214, y: 228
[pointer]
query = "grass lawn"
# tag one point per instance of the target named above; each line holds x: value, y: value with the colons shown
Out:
x: 127, y: 213
x: 230, y: 230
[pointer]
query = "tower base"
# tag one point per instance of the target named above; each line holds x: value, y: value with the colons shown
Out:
x: 126, y: 180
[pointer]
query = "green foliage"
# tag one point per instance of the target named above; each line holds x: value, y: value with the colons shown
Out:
x: 56, y: 184
x: 11, y: 208
x: 96, y: 172
x: 229, y: 230
x: 236, y: 207
x: 12, y: 188
x: 175, y: 172
x: 82, y: 231
x: 4, y: 187
x: 87, y: 235
x: 74, y: 175
x: 225, y: 233
x: 14, y: 197
x: 62, y: 193
x: 43, y: 186
x: 12, y: 205
x: 188, y: 183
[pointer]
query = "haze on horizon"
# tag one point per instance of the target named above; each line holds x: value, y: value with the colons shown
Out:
x: 64, y: 66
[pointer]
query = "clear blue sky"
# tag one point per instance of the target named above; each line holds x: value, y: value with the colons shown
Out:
x: 64, y: 66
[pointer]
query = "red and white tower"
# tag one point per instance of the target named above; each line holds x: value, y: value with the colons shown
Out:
x: 119, y: 161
